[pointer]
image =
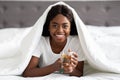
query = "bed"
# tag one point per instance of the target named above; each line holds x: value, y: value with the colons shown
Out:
x: 100, y: 17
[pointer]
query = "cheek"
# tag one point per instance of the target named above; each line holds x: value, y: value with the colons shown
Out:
x: 68, y: 31
x: 51, y: 31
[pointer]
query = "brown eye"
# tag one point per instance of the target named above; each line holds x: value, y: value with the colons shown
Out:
x: 65, y: 26
x: 54, y: 25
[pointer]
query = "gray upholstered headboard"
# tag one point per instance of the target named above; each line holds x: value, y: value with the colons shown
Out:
x: 26, y: 13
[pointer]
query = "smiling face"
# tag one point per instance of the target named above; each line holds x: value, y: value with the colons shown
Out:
x: 59, y: 28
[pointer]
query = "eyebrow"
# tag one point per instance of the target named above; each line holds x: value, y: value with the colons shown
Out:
x: 57, y: 23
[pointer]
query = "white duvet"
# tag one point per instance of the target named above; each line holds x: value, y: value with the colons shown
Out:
x: 100, y: 45
x: 107, y: 37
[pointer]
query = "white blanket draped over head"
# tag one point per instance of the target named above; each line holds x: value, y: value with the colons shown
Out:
x: 16, y: 53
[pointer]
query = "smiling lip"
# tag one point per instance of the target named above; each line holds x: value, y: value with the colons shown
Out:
x: 60, y: 36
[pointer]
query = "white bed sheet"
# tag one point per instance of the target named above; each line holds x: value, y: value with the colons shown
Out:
x: 93, y: 76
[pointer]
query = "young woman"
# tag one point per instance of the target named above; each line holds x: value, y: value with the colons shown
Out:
x: 59, y: 35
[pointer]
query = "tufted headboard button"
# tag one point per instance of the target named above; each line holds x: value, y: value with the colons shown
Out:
x: 38, y: 7
x: 3, y: 8
x: 21, y: 23
x: 87, y: 8
x: 106, y: 24
x: 4, y: 23
x: 107, y: 8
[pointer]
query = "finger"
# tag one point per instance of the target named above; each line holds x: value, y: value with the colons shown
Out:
x: 75, y: 62
x: 73, y: 65
x: 75, y: 55
x: 69, y: 50
x: 74, y: 58
x: 68, y: 69
x: 66, y: 65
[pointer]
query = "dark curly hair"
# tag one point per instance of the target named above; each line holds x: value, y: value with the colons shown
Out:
x: 55, y: 10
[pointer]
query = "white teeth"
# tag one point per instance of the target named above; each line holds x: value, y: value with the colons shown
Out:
x: 60, y: 36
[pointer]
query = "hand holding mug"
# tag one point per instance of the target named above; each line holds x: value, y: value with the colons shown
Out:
x: 69, y: 61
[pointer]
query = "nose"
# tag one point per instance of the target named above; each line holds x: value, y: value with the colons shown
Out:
x: 60, y: 29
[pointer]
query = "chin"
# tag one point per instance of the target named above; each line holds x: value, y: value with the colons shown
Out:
x: 60, y: 41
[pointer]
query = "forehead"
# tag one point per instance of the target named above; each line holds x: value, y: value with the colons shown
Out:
x: 60, y: 19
